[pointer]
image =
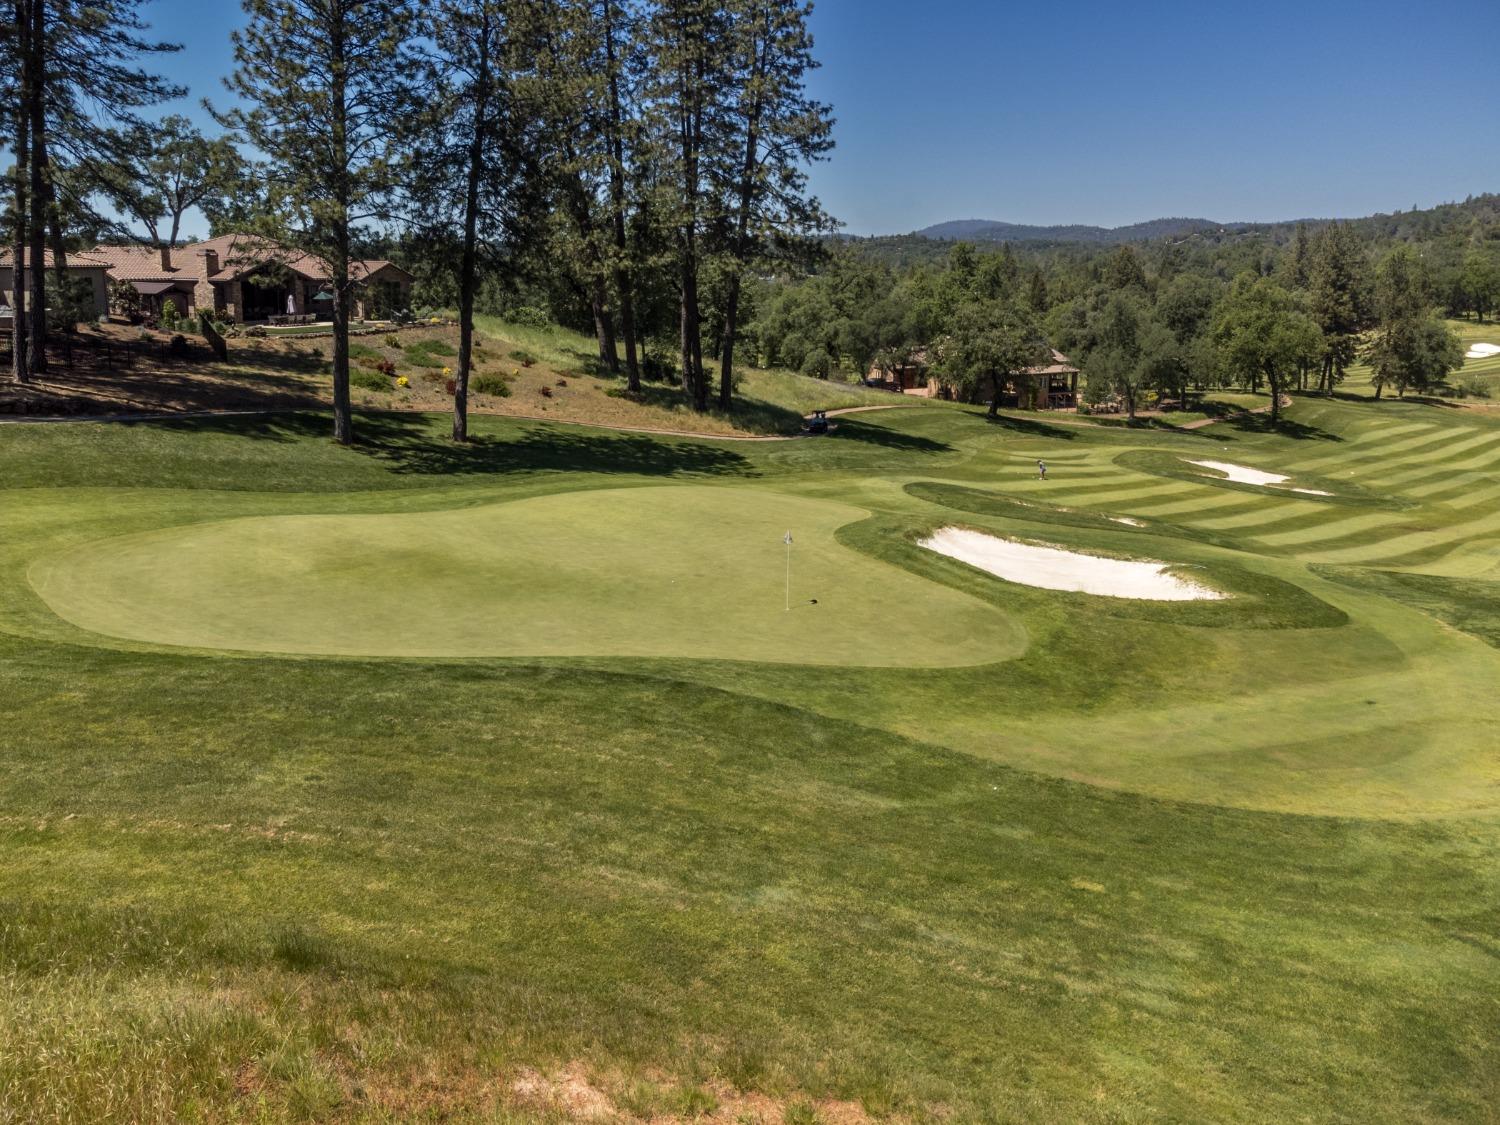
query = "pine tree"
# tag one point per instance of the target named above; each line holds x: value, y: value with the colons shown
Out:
x: 332, y: 104
x: 17, y: 101
x: 687, y: 85
x: 80, y: 89
x: 1337, y: 295
x: 479, y: 183
x: 776, y: 130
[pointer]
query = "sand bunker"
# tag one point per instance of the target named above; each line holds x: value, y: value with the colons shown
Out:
x: 1242, y: 474
x: 1127, y: 520
x: 1052, y: 568
x: 1482, y: 351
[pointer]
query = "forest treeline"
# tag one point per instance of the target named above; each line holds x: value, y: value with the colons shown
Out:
x: 1290, y: 308
x: 639, y: 159
x: 637, y: 169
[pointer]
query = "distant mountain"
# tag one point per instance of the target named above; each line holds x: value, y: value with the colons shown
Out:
x: 991, y: 230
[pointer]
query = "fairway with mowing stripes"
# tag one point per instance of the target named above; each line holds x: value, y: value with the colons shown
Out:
x: 364, y: 784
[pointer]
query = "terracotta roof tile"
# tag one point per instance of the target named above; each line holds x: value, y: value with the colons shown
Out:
x: 82, y: 261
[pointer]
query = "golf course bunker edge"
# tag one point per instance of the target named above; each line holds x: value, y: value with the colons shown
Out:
x: 1243, y: 474
x: 1055, y: 568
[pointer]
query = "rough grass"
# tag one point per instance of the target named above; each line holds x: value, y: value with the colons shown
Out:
x: 1153, y: 867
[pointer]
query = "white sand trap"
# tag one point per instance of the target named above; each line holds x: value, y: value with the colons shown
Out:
x: 1482, y: 351
x: 1128, y: 520
x: 1052, y: 568
x: 1242, y: 474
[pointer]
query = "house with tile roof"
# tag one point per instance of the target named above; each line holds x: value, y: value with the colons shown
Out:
x: 89, y: 274
x: 1051, y: 386
x: 246, y: 279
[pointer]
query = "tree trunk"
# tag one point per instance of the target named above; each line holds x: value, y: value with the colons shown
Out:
x: 604, y: 326
x: 994, y: 411
x: 343, y: 413
x: 19, y: 334
x: 36, y: 217
x: 624, y: 282
x: 1275, y: 385
x: 467, y: 263
x: 726, y: 348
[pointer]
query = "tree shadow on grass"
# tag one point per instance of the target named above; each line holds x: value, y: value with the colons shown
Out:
x: 1031, y: 427
x: 418, y: 444
x: 1287, y: 428
x: 850, y: 430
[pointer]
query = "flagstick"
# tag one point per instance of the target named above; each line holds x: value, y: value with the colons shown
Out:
x: 788, y: 542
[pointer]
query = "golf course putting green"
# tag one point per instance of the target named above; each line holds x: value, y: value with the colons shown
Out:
x: 615, y: 572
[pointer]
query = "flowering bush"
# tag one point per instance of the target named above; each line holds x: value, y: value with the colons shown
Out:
x: 403, y: 381
x: 386, y: 368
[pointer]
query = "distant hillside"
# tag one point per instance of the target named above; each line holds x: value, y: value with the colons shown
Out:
x: 991, y: 230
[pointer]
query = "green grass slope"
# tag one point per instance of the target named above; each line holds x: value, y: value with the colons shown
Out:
x: 951, y: 848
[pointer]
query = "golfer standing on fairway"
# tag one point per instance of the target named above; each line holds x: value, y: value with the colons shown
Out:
x: 1041, y: 470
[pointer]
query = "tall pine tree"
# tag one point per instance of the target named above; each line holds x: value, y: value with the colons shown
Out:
x: 330, y: 88
x: 478, y: 185
x: 774, y: 131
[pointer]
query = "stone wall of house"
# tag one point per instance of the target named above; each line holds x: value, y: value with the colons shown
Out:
x: 205, y: 293
x: 233, y: 298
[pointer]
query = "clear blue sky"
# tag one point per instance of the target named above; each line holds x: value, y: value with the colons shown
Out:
x: 1111, y: 112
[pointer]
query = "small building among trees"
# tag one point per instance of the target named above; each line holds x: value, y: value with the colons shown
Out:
x: 1051, y: 386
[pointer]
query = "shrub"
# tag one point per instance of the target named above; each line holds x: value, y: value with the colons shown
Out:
x: 523, y: 357
x: 659, y: 369
x: 545, y: 392
x: 451, y: 386
x: 368, y: 380
x: 490, y: 383
x: 393, y: 341
x: 1474, y: 385
x: 433, y: 375
x: 256, y: 330
x: 529, y: 316
x: 386, y: 368
x: 817, y: 363
x: 438, y: 347
x: 562, y: 382
x: 169, y: 316
x: 419, y: 356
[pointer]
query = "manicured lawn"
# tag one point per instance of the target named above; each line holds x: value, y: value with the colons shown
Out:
x: 666, y: 571
x: 550, y: 803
